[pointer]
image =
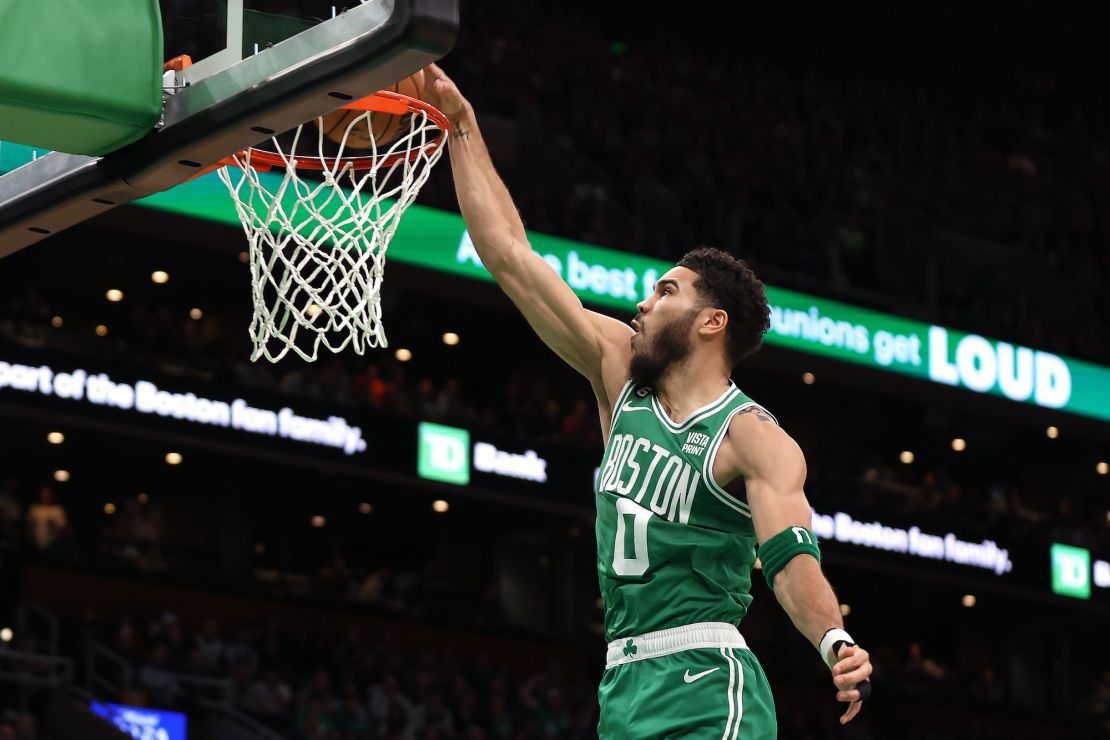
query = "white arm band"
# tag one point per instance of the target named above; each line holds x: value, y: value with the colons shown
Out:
x: 827, y: 641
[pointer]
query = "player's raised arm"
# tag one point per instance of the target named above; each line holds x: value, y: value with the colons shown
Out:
x: 581, y: 337
x: 774, y: 473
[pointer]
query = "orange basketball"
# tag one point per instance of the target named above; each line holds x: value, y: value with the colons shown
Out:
x: 375, y: 126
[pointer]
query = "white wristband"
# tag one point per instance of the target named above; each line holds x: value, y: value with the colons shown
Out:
x: 833, y: 635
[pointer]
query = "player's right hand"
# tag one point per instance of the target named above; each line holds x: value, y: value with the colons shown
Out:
x: 441, y: 92
x: 852, y: 667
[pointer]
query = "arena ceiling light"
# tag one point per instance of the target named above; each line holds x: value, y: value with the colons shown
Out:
x: 968, y: 600
x: 1102, y: 468
x: 365, y: 508
x: 115, y: 295
x: 101, y: 330
x: 6, y: 634
x: 440, y: 506
x: 56, y: 322
x: 195, y: 314
x: 959, y: 444
x: 450, y: 339
x: 808, y: 378
x: 845, y: 610
x: 142, y: 498
x: 160, y: 277
x: 906, y: 457
x: 318, y: 521
x: 403, y: 355
x: 109, y: 508
x: 174, y: 458
x: 1052, y: 432
x: 61, y: 475
x: 55, y: 438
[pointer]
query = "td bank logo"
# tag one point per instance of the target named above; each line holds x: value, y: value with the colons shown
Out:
x: 1071, y: 571
x: 444, y: 454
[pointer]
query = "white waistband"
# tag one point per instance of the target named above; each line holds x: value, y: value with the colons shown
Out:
x: 674, y: 640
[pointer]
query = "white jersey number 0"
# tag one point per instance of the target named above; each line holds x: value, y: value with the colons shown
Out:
x: 637, y: 565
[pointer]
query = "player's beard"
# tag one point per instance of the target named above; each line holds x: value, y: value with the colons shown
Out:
x: 670, y: 346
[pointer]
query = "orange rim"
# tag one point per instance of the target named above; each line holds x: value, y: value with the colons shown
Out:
x: 383, y: 101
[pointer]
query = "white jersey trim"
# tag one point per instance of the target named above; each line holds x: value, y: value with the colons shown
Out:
x: 711, y: 457
x: 731, y: 692
x: 731, y: 658
x: 621, y: 398
x: 698, y: 415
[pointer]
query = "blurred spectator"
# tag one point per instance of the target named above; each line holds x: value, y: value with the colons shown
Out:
x: 211, y: 646
x: 451, y: 404
x: 156, y: 679
x: 391, y: 708
x: 269, y: 695
x: 378, y: 587
x: 26, y: 728
x: 433, y: 715
x: 169, y: 634
x: 316, y: 722
x: 319, y: 691
x: 397, y: 724
x: 353, y: 720
x: 46, y: 521
x: 11, y: 517
x: 132, y: 538
x: 426, y: 401
x: 1100, y: 703
x: 581, y: 424
x: 987, y: 688
x: 10, y: 508
x: 335, y: 574
x: 499, y: 719
x: 549, y: 713
x: 370, y: 385
x: 921, y: 671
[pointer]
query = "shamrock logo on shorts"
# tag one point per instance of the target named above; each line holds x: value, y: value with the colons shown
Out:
x: 629, y: 648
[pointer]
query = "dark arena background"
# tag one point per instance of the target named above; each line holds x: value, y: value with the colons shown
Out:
x: 926, y: 194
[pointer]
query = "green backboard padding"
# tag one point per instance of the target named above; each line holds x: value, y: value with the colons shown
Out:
x: 79, y: 76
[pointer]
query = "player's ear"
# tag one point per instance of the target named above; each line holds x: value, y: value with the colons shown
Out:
x: 714, y: 321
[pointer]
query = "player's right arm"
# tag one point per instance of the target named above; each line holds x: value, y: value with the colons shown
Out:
x: 773, y: 470
x: 595, y: 345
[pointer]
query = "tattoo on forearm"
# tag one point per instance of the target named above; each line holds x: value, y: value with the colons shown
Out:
x: 759, y: 414
x: 460, y: 132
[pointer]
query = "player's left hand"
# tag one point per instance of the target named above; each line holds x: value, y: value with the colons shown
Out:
x: 853, y: 665
x: 442, y: 93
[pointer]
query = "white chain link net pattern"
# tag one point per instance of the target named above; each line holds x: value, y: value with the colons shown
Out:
x: 318, y: 239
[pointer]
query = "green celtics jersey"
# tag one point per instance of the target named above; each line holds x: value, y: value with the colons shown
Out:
x: 673, y: 547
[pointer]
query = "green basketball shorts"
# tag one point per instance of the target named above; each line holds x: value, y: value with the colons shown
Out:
x: 699, y: 681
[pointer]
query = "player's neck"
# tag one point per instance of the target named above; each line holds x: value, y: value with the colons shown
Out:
x: 686, y: 387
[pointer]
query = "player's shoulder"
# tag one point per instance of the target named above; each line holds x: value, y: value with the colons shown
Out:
x: 755, y: 441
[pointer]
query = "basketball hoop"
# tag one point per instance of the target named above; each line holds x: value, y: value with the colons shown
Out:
x: 320, y: 228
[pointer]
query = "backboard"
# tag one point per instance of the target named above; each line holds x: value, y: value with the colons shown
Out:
x: 219, y: 33
x: 259, y: 67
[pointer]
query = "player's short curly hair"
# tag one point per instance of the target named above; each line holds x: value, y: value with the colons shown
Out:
x: 728, y: 283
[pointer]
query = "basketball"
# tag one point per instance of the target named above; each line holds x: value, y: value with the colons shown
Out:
x: 375, y: 127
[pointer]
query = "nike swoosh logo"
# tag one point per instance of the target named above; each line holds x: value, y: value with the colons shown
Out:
x: 629, y: 407
x: 690, y: 679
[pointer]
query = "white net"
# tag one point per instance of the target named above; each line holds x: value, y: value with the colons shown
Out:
x: 319, y: 231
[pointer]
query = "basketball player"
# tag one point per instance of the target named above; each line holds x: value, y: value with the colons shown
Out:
x: 696, y: 478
